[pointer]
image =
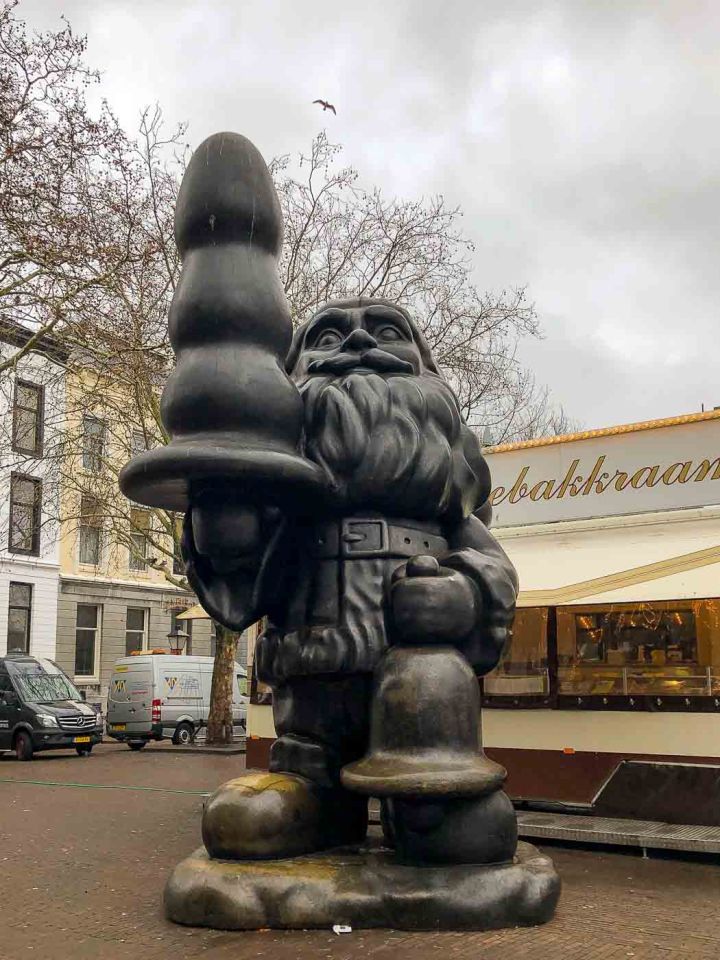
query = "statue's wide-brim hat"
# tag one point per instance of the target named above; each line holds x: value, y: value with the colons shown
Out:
x: 167, y: 477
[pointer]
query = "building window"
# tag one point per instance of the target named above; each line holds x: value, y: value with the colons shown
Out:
x: 90, y: 531
x: 25, y: 503
x: 213, y: 638
x: 138, y: 551
x: 93, y: 444
x: 183, y: 625
x: 178, y: 566
x: 136, y: 629
x: 523, y: 669
x: 19, y: 617
x: 27, y: 432
x: 139, y: 521
x: 138, y: 443
x: 87, y: 640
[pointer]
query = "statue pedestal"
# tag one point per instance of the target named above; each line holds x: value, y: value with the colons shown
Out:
x: 363, y: 887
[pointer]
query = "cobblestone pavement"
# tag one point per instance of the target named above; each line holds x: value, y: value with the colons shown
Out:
x: 82, y: 869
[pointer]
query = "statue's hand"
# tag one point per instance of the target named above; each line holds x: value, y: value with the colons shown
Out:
x: 432, y: 604
x: 227, y: 532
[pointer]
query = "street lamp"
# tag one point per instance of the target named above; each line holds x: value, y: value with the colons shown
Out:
x: 177, y: 639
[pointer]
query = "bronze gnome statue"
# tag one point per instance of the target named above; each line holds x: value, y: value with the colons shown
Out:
x: 331, y: 486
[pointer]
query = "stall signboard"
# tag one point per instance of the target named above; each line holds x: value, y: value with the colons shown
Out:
x: 608, y: 473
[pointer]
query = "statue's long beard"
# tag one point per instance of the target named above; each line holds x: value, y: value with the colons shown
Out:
x: 395, y: 444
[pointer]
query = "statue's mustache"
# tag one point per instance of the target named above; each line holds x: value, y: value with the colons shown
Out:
x: 374, y: 359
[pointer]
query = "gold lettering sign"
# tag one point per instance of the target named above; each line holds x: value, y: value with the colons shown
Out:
x: 598, y: 480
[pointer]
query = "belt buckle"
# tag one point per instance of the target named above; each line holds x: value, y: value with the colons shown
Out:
x: 364, y: 538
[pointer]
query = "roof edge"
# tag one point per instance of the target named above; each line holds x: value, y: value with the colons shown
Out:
x: 17, y: 335
x: 605, y: 432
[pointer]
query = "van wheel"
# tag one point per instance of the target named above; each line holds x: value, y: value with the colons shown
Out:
x: 137, y: 744
x: 184, y: 734
x: 23, y: 745
x: 83, y: 751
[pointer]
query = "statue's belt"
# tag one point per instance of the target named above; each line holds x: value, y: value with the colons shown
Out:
x: 360, y: 537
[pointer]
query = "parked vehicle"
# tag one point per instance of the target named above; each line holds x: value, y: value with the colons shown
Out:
x: 160, y: 696
x: 41, y: 709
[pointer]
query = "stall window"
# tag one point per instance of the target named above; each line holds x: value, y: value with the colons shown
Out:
x: 631, y: 649
x: 523, y: 669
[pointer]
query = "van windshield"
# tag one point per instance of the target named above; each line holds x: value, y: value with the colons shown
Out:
x: 41, y: 681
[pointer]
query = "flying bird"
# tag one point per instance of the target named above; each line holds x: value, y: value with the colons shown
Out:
x: 326, y: 106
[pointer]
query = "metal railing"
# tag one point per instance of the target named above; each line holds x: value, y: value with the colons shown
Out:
x: 636, y: 681
x: 601, y: 680
x: 536, y: 683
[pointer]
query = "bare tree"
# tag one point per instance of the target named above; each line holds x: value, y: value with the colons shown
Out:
x: 68, y: 179
x: 547, y: 421
x: 342, y: 240
x: 87, y: 255
x: 86, y: 235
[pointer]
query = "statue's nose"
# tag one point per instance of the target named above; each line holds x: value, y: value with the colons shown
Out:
x: 359, y: 340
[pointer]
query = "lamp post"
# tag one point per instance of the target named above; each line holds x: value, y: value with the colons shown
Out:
x: 177, y: 639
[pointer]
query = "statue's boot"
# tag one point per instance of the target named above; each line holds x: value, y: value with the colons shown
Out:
x: 455, y: 830
x: 267, y: 816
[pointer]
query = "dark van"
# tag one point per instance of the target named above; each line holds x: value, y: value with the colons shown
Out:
x: 41, y: 709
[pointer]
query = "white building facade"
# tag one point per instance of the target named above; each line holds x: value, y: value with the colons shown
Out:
x: 32, y: 402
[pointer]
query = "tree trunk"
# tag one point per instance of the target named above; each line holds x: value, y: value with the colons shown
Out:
x: 220, y: 720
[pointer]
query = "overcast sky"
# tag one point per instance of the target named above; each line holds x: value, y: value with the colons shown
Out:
x: 580, y: 137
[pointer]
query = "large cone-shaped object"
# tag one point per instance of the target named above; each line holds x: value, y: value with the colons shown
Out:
x: 231, y: 411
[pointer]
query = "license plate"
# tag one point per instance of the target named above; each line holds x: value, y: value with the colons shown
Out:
x: 117, y: 726
x: 81, y: 739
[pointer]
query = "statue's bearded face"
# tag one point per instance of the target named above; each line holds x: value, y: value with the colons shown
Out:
x: 381, y: 421
x: 372, y: 339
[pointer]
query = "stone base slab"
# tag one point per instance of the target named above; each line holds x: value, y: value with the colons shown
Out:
x: 361, y: 887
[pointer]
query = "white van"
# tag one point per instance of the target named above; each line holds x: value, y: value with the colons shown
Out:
x: 156, y: 696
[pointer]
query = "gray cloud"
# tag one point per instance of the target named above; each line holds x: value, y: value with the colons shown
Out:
x: 581, y: 140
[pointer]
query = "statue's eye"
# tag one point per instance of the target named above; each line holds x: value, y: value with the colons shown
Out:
x: 328, y: 338
x: 387, y: 334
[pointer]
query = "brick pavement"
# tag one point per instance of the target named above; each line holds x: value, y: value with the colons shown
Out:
x: 82, y: 870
